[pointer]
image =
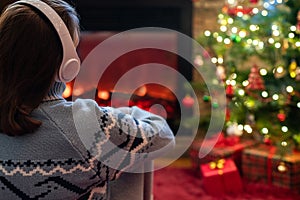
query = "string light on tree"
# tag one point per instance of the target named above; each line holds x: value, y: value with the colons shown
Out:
x: 207, y: 33
x: 255, y: 11
x: 241, y: 92
x: 253, y: 27
x: 263, y: 72
x: 255, y: 42
x: 264, y: 13
x: 265, y: 131
x: 248, y: 128
x: 215, y: 34
x: 220, y: 39
x: 264, y: 94
x: 271, y: 40
x: 284, y: 129
x: 266, y: 5
x: 284, y: 143
x: 223, y: 28
x: 277, y: 45
x: 289, y: 89
x: 293, y: 28
x: 275, y: 97
x: 220, y: 60
x: 234, y: 30
x: 233, y: 76
x: 282, y: 167
x: 245, y: 83
x: 214, y: 60
x: 233, y: 82
x: 227, y: 41
x: 242, y: 33
x: 291, y: 35
x: 230, y: 20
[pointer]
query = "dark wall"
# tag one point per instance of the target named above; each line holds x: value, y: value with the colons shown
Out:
x: 126, y: 14
x: 120, y: 15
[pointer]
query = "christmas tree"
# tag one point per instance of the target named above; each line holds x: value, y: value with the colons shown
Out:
x: 257, y: 54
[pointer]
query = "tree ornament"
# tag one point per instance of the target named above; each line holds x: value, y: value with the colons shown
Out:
x: 188, y: 101
x: 255, y: 80
x: 250, y: 103
x: 206, y: 98
x: 267, y: 140
x: 281, y: 116
x: 229, y: 90
x: 235, y: 38
x: 292, y: 68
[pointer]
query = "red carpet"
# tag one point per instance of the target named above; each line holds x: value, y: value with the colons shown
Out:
x: 183, y: 184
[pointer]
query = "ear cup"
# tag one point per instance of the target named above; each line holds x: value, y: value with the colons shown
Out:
x: 69, y: 70
x: 70, y: 64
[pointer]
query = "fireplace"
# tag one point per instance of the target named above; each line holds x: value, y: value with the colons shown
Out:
x: 103, y: 19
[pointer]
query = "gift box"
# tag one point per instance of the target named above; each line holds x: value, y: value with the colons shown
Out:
x: 223, y: 147
x: 221, y: 177
x: 264, y: 164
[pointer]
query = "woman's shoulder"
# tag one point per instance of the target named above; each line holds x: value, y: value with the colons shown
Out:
x: 63, y: 104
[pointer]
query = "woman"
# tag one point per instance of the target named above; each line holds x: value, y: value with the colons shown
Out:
x: 51, y: 148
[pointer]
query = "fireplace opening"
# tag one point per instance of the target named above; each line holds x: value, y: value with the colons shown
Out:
x: 101, y: 20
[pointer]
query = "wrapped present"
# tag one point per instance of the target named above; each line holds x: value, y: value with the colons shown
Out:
x: 224, y: 147
x: 221, y: 177
x: 264, y: 164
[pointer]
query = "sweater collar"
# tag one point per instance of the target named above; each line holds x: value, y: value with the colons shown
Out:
x: 55, y: 92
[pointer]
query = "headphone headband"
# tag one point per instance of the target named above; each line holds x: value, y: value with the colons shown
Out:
x: 70, y: 65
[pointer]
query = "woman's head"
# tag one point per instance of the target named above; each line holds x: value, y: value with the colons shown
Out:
x: 30, y: 55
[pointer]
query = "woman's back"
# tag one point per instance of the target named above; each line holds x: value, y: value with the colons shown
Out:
x: 59, y: 161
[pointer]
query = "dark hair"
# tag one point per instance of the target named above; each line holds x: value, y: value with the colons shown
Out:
x: 30, y: 55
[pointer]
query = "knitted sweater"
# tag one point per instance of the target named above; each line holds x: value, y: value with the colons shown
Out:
x: 78, y: 149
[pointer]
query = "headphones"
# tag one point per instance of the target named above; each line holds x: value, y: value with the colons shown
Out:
x: 70, y: 65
